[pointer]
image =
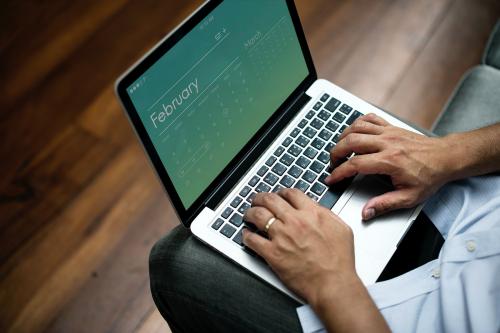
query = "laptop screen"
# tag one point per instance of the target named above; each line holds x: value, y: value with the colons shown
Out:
x: 204, y: 99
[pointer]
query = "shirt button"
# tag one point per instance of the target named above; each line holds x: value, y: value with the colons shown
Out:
x: 436, y: 273
x: 470, y: 246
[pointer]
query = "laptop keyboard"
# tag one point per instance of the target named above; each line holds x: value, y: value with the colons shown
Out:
x: 301, y: 161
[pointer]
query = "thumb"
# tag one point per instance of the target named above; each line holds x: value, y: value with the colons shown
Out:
x: 387, y: 202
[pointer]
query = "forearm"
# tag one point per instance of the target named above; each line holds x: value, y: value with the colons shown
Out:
x: 347, y: 307
x: 474, y: 153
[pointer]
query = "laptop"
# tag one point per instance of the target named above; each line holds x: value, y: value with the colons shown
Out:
x: 228, y: 105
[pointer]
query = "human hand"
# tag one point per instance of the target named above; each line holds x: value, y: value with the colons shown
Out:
x: 417, y: 165
x: 309, y: 247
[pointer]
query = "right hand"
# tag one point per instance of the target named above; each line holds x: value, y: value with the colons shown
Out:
x: 417, y: 165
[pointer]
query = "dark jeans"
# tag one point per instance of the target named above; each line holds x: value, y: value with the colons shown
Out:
x: 198, y: 290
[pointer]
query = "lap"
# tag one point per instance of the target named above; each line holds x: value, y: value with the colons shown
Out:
x: 197, y: 289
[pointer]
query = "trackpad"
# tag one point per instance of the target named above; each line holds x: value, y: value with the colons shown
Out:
x: 374, y: 241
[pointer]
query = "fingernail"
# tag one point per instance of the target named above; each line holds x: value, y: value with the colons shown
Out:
x: 328, y: 179
x: 369, y: 214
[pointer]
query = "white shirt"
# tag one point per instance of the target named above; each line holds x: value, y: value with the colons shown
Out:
x: 459, y: 291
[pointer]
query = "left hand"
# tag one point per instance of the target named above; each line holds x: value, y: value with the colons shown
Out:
x: 309, y: 247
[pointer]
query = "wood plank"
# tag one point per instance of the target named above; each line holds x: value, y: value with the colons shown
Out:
x: 456, y: 46
x: 387, y: 48
x: 75, y: 225
x: 123, y: 306
x: 47, y: 183
x: 57, y: 37
x: 332, y: 39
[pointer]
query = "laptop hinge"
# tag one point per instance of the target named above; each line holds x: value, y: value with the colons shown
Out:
x: 256, y: 151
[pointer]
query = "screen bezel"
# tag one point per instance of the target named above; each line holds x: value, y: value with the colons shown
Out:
x: 186, y: 215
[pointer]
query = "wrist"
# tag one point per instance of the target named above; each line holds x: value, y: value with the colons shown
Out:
x: 335, y: 290
x: 458, y: 156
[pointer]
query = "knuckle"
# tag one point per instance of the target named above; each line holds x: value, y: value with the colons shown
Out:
x: 355, y: 161
x: 260, y: 213
x: 359, y: 125
x: 267, y: 198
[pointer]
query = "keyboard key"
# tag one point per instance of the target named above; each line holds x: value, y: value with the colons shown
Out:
x: 324, y: 98
x: 287, y: 181
x: 302, y: 185
x: 317, y: 106
x: 312, y: 196
x: 302, y: 140
x: 309, y: 176
x: 334, y: 192
x: 227, y: 230
x: 311, y: 152
x: 270, y: 161
x: 316, y: 123
x: 295, y: 150
x: 216, y: 225
x: 279, y: 169
x: 243, y: 208
x: 236, y: 219
x: 262, y: 171
x: 287, y: 159
x: 338, y: 117
x: 321, y: 178
x: 325, y: 134
x: 324, y: 115
x: 336, y: 138
x: 303, y: 162
x: 279, y: 151
x: 324, y: 157
x: 332, y: 126
x: 329, y: 146
x: 238, y: 239
x: 342, y: 128
x: 295, y: 171
x: 277, y: 188
x: 332, y: 104
x: 252, y: 182
x: 236, y: 201
x: 287, y: 141
x: 318, y: 143
x: 318, y: 189
x: 244, y: 191
x: 310, y: 114
x: 295, y: 132
x: 317, y: 166
x: 345, y: 109
x: 251, y: 197
x: 225, y: 214
x: 353, y: 117
x: 271, y: 178
x: 310, y: 132
x: 302, y: 123
x: 262, y: 187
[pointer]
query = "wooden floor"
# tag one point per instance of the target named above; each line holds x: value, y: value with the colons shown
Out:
x: 80, y: 207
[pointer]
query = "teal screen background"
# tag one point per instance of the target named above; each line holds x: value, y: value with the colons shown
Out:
x: 209, y: 94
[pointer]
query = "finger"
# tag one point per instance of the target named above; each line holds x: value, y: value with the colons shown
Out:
x: 362, y: 126
x: 388, y: 202
x: 278, y: 206
x: 364, y: 164
x: 297, y: 198
x: 374, y: 119
x: 257, y: 243
x: 260, y: 216
x: 355, y: 143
